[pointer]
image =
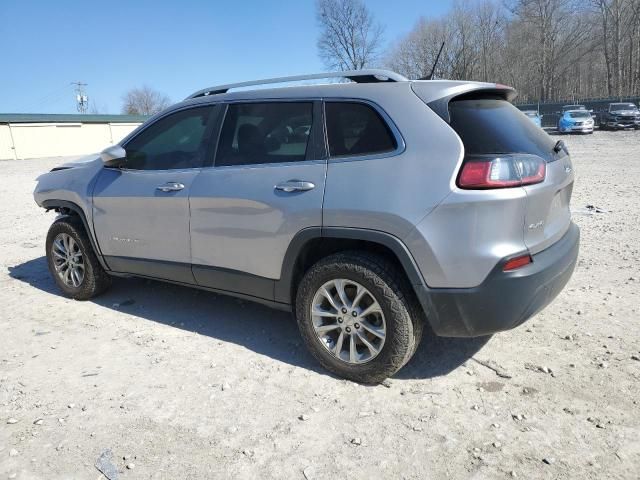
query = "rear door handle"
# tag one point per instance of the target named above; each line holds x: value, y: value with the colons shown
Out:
x: 295, y: 186
x: 170, y: 187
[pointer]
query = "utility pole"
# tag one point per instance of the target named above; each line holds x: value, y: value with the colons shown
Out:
x: 82, y: 99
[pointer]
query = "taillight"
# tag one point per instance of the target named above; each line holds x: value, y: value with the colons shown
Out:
x: 491, y: 171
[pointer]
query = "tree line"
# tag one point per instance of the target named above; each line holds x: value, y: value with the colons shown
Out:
x: 546, y: 49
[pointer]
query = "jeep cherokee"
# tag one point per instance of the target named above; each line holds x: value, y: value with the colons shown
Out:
x: 369, y: 208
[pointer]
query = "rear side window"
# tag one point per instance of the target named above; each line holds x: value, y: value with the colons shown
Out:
x: 270, y: 132
x: 173, y: 142
x: 357, y: 129
x: 488, y: 126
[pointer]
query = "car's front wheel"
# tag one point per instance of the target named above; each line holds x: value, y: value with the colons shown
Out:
x: 358, y: 317
x: 72, y: 262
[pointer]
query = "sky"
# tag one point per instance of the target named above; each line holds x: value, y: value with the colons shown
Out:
x: 176, y: 47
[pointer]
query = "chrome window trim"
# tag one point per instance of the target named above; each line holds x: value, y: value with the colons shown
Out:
x: 266, y: 165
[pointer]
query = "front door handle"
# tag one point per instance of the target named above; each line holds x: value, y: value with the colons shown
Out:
x: 295, y: 186
x: 170, y: 187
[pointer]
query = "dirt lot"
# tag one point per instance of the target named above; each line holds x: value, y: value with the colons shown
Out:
x: 180, y: 384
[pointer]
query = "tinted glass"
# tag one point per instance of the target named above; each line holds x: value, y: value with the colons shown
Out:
x: 175, y: 141
x: 580, y: 114
x: 622, y: 106
x: 495, y: 126
x: 265, y: 133
x: 356, y: 129
x: 573, y: 107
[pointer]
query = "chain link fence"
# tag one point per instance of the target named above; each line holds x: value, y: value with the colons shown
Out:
x: 550, y: 111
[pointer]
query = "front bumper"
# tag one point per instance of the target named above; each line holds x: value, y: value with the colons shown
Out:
x: 624, y: 124
x: 504, y: 300
x: 578, y: 129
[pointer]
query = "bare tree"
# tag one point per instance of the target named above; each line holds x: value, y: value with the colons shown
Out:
x: 415, y: 55
x: 619, y: 25
x: 463, y: 50
x: 490, y: 23
x: 546, y: 49
x: 144, y: 101
x: 350, y: 38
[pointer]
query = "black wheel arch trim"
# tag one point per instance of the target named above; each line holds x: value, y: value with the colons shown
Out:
x: 74, y: 207
x: 283, y: 287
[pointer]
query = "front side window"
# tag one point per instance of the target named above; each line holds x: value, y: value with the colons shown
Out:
x: 268, y: 132
x: 174, y: 142
x: 357, y: 129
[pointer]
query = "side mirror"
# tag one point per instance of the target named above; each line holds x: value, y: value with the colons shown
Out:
x: 113, y: 156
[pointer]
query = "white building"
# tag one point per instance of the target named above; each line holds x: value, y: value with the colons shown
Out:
x: 26, y: 135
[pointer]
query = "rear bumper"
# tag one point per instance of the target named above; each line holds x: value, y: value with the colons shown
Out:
x: 504, y: 300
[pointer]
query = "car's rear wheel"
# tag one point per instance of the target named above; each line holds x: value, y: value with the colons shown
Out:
x: 72, y: 262
x: 358, y: 317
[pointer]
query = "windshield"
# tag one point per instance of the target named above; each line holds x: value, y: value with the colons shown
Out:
x: 579, y: 114
x: 573, y: 107
x: 531, y: 114
x: 488, y: 126
x: 622, y: 106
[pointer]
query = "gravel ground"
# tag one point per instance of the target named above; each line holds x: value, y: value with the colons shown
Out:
x: 169, y: 382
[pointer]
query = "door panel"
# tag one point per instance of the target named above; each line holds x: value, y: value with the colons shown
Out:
x: 133, y: 218
x: 241, y: 222
x: 267, y: 185
x: 141, y: 211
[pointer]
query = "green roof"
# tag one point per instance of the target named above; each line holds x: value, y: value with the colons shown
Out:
x: 69, y: 118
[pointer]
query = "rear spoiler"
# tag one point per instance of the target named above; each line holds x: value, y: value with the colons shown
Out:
x: 472, y: 91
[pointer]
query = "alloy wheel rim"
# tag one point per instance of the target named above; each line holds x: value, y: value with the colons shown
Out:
x: 348, y: 321
x: 68, y: 260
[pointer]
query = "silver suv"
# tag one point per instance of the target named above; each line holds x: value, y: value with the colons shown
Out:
x: 369, y: 208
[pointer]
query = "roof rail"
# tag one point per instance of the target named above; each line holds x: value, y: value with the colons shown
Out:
x: 358, y: 76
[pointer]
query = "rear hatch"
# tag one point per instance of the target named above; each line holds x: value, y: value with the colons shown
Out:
x: 519, y: 155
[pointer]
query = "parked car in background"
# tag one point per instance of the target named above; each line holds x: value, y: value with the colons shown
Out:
x: 534, y: 116
x: 576, y: 121
x: 619, y: 116
x: 346, y: 203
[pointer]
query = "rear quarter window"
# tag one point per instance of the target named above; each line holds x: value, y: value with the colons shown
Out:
x: 357, y: 129
x: 489, y: 126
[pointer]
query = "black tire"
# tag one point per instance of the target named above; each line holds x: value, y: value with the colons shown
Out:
x: 95, y: 280
x: 404, y: 318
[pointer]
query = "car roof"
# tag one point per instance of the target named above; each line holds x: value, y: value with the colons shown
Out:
x: 366, y: 80
x: 429, y: 90
x: 371, y: 88
x: 381, y: 92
